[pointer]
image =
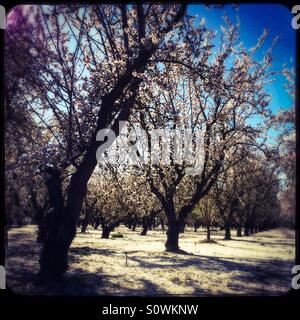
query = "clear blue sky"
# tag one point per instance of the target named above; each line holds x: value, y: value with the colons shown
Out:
x: 253, y: 19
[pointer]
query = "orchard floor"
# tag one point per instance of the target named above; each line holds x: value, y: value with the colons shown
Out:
x: 255, y: 265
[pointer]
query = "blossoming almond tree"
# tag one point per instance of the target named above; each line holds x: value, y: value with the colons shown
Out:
x: 205, y: 212
x: 86, y: 81
x: 258, y: 187
x: 117, y: 195
x: 218, y: 93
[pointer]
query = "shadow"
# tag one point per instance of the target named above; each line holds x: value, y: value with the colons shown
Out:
x: 151, y: 289
x: 210, y: 241
x: 164, y: 262
x: 181, y: 252
x: 82, y: 283
x: 265, y: 272
x: 262, y: 242
x: 88, y: 251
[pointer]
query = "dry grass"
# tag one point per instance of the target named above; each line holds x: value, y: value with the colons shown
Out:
x: 255, y: 265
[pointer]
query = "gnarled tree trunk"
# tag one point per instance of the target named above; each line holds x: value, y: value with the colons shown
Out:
x: 63, y: 218
x: 171, y: 244
x: 172, y: 237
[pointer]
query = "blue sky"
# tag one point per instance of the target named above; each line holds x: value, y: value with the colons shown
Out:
x: 253, y: 19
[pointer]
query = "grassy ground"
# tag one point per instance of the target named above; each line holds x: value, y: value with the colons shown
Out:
x: 255, y: 265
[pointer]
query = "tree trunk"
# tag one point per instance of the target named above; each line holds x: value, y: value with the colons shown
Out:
x: 227, y: 233
x: 54, y: 257
x: 195, y: 227
x: 134, y: 226
x: 208, y: 233
x: 62, y: 224
x: 251, y: 231
x: 238, y: 231
x: 171, y: 244
x: 145, y: 229
x: 96, y: 223
x: 106, y: 231
x: 84, y: 227
x: 85, y: 222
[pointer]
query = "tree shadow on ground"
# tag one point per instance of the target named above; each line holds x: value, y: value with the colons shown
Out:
x: 263, y: 242
x: 248, y: 271
x: 79, y: 282
x: 84, y: 251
